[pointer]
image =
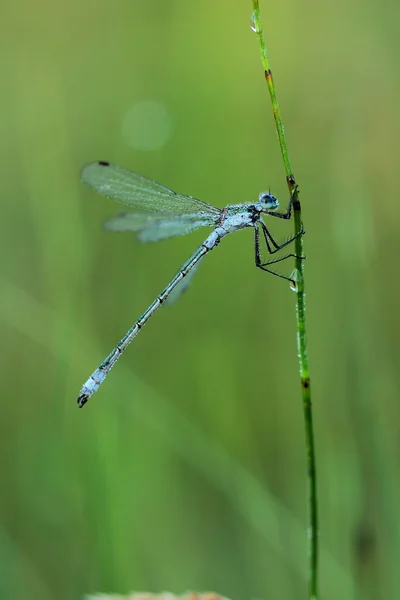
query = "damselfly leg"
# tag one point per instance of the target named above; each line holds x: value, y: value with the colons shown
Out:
x: 271, y: 244
x: 257, y: 252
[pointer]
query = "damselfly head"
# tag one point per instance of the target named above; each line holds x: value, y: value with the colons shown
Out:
x: 268, y: 200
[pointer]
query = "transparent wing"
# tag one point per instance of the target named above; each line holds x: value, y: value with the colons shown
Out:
x: 153, y: 227
x: 182, y: 287
x: 134, y: 190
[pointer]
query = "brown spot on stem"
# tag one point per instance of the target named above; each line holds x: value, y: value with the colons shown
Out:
x: 296, y: 204
x: 291, y: 180
x: 104, y: 163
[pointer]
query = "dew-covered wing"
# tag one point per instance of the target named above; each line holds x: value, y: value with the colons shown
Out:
x: 153, y: 227
x: 138, y: 192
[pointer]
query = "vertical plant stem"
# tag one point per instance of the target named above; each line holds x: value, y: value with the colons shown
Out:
x: 300, y: 317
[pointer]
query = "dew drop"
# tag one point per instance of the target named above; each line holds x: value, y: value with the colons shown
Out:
x: 294, y: 277
x: 253, y: 25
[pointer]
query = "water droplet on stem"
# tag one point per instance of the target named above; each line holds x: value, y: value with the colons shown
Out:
x: 294, y: 277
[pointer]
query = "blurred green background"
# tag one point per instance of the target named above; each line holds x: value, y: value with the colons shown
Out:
x: 187, y: 469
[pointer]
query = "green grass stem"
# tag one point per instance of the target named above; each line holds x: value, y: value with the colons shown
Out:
x: 300, y: 316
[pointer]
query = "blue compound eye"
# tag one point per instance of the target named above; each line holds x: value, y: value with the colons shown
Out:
x: 269, y: 200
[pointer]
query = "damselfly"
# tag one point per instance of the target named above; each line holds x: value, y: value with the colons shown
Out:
x: 161, y: 213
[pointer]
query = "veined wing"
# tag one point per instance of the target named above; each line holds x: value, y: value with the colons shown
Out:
x: 134, y: 190
x: 158, y: 226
